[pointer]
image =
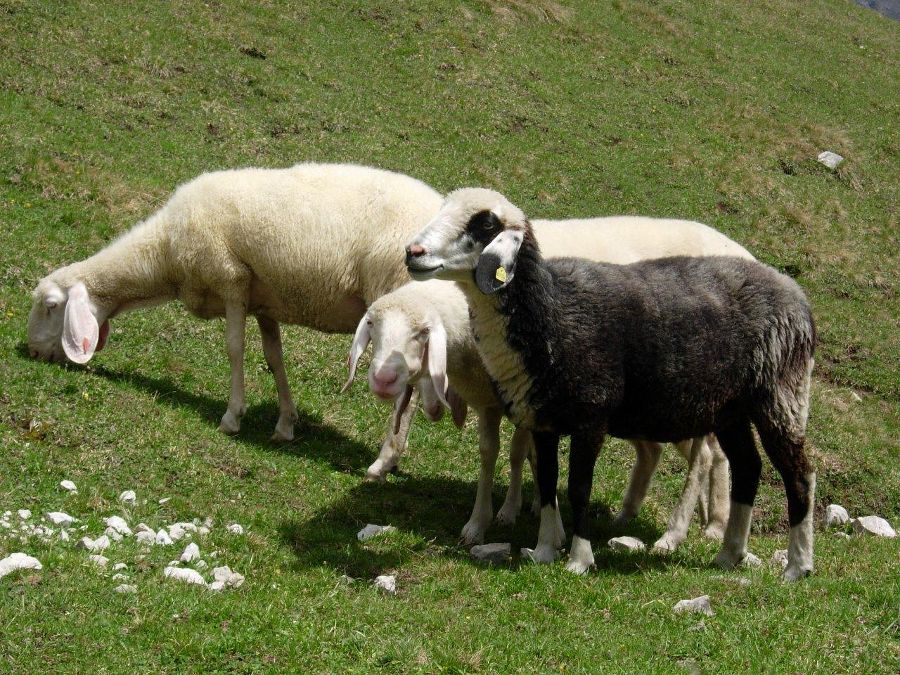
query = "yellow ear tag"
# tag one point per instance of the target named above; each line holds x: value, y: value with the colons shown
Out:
x: 500, y: 274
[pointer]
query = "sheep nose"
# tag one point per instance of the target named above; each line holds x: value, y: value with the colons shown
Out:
x: 414, y: 251
x: 385, y: 378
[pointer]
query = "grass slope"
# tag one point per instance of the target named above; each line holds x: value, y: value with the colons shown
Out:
x: 706, y: 110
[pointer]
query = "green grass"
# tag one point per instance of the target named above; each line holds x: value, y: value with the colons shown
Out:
x: 707, y: 110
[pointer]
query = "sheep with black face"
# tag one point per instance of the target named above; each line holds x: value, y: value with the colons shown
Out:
x: 665, y: 349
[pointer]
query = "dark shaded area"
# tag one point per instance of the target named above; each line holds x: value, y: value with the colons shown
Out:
x: 888, y: 8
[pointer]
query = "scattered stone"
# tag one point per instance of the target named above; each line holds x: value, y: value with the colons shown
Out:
x: 18, y: 561
x: 143, y: 527
x: 164, y: 500
x: 101, y: 543
x: 201, y: 565
x: 873, y: 525
x: 163, y: 538
x: 185, y: 574
x: 855, y: 397
x: 119, y: 566
x: 700, y: 605
x: 780, y: 557
x: 128, y: 497
x: 24, y: 514
x: 68, y: 486
x: 99, y: 560
x: 60, y: 518
x: 626, y: 544
x: 126, y: 588
x: 191, y: 553
x: 371, y: 530
x: 235, y: 580
x: 493, y: 553
x: 830, y: 159
x: 841, y: 535
x: 119, y: 525
x: 387, y: 583
x: 113, y: 534
x: 145, y: 537
x: 63, y: 535
x: 119, y: 577
x: 836, y: 515
x: 203, y: 530
x: 5, y: 524
x: 750, y: 560
x: 208, y: 521
x: 216, y: 586
x: 187, y: 527
x: 176, y: 533
x: 234, y: 528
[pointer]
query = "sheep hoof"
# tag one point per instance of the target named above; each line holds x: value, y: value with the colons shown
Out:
x: 281, y: 436
x: 715, y: 532
x: 581, y: 557
x: 666, y: 544
x: 230, y: 424
x: 622, y: 519
x: 507, y: 514
x: 472, y: 533
x: 794, y: 573
x: 542, y: 555
x: 378, y: 470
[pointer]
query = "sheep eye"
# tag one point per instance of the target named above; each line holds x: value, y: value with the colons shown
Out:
x: 424, y: 332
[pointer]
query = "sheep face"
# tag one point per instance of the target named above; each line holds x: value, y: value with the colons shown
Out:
x: 475, y: 230
x: 62, y: 324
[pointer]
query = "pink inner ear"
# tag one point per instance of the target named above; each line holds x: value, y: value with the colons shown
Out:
x: 80, y: 330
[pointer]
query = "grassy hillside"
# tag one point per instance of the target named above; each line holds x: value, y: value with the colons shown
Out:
x: 708, y: 110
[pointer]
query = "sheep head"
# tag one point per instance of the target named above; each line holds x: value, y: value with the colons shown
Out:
x: 63, y: 325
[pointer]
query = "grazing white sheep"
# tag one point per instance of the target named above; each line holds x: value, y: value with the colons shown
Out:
x: 415, y: 328
x: 313, y: 244
x: 665, y: 348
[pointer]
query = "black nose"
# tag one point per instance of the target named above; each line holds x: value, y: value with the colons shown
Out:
x: 414, y: 251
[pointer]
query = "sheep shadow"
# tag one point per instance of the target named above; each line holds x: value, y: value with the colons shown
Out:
x: 313, y: 438
x: 433, y: 510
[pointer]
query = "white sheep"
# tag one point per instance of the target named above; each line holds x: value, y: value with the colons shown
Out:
x: 423, y: 330
x: 313, y: 244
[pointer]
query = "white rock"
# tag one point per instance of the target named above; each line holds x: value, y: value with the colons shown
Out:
x: 63, y: 535
x: 119, y: 525
x: 164, y: 500
x: 60, y: 518
x: 208, y: 521
x: 855, y: 397
x: 146, y: 537
x: 18, y: 561
x: 201, y: 565
x: 24, y: 514
x: 830, y: 159
x: 119, y: 577
x: 626, y: 544
x: 101, y: 543
x: 495, y: 553
x: 780, y: 557
x: 835, y: 515
x: 235, y: 580
x: 750, y: 560
x: 222, y: 573
x: 112, y: 534
x: 126, y: 588
x: 387, y: 583
x: 7, y: 514
x: 176, y: 533
x: 163, y: 538
x: 203, y: 530
x: 700, y: 605
x: 184, y: 574
x: 143, y: 527
x: 174, y: 563
x: 119, y: 566
x: 86, y: 543
x: 68, y: 486
x: 841, y: 535
x: 371, y: 530
x: 4, y: 523
x: 99, y: 560
x: 216, y: 586
x: 234, y: 528
x: 128, y: 497
x: 873, y: 525
x: 191, y: 553
x: 187, y: 527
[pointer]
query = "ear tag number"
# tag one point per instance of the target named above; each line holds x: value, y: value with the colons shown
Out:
x: 500, y: 274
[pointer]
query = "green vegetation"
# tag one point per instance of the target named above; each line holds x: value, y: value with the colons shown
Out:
x: 708, y: 110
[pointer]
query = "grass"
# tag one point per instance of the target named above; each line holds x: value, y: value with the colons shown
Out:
x: 704, y: 110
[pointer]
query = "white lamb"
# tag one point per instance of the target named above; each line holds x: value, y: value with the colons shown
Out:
x: 313, y: 244
x: 421, y: 335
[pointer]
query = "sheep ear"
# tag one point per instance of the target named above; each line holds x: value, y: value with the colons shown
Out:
x: 437, y: 359
x: 458, y: 407
x: 497, y: 263
x: 81, y: 333
x: 360, y: 341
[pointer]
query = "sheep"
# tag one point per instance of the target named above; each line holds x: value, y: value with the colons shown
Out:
x: 543, y: 332
x: 620, y: 239
x: 420, y: 336
x: 313, y: 244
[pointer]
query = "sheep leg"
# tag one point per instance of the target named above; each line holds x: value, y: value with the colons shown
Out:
x: 394, y: 443
x: 532, y: 462
x: 699, y: 459
x: 582, y: 458
x: 519, y: 448
x: 489, y: 447
x: 547, y: 448
x: 738, y: 445
x: 235, y: 321
x: 272, y: 348
x: 716, y: 492
x: 647, y: 457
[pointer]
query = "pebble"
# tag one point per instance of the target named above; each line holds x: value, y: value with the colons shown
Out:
x: 128, y: 497
x: 203, y: 530
x: 185, y: 574
x: 146, y: 537
x: 387, y: 583
x: 163, y: 538
x: 494, y: 553
x: 18, y: 561
x: 119, y: 525
x: 234, y: 528
x: 201, y: 565
x: 780, y: 557
x: 750, y: 560
x: 371, y: 530
x: 60, y: 518
x: 626, y: 544
x: 126, y: 588
x: 227, y: 577
x: 836, y: 515
x: 841, y: 535
x: 164, y: 500
x: 99, y: 560
x: 93, y: 545
x: 24, y: 514
x: 873, y: 525
x: 119, y: 566
x: 830, y: 159
x: 191, y: 553
x: 700, y: 605
x: 143, y: 527
x: 112, y: 534
x: 68, y: 486
x: 216, y: 586
x: 119, y: 577
x: 63, y: 535
x: 176, y: 533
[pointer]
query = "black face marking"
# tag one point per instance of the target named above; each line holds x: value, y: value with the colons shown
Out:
x: 483, y: 227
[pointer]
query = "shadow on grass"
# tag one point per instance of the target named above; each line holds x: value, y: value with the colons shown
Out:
x: 433, y: 509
